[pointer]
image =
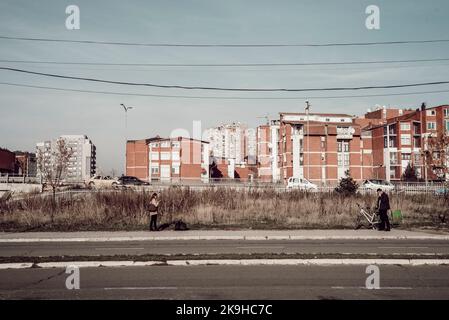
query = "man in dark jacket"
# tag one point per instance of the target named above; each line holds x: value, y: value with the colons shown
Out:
x: 383, y: 205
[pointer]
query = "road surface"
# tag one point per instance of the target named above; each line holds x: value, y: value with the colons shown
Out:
x: 174, y: 247
x: 228, y: 282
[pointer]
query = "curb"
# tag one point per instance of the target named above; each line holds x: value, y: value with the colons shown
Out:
x: 248, y: 238
x: 243, y: 262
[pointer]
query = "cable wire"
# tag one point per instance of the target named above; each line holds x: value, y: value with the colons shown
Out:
x: 222, y: 88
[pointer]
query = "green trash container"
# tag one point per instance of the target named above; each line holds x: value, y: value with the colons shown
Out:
x: 396, y: 217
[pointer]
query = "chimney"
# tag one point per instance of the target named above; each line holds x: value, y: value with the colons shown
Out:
x: 423, y: 106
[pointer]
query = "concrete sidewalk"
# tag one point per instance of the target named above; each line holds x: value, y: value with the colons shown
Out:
x: 105, y: 236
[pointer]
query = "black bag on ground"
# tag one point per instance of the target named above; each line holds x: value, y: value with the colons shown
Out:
x: 163, y: 226
x: 180, y: 226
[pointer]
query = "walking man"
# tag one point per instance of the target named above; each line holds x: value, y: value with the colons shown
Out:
x: 383, y: 205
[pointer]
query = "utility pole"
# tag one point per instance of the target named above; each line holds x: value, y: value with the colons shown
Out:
x: 126, y: 131
x: 308, y: 140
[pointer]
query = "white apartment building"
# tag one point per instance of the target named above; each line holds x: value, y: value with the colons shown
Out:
x: 233, y: 142
x: 82, y: 163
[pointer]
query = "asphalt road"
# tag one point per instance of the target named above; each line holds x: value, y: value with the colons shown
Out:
x: 228, y: 282
x: 224, y: 247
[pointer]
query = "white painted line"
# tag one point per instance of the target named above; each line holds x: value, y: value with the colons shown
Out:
x: 261, y: 247
x: 96, y: 264
x: 381, y: 288
x: 224, y: 237
x: 242, y: 262
x: 403, y: 247
x: 141, y: 288
x: 119, y: 248
x: 4, y: 266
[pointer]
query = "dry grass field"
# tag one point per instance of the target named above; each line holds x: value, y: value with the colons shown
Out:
x: 211, y: 208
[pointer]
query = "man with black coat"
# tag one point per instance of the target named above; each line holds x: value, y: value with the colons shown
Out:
x: 383, y: 205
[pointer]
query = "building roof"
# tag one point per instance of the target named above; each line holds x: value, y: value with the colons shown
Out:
x: 317, y: 114
x: 157, y: 138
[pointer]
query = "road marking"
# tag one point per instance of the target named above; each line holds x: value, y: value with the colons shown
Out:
x: 261, y: 247
x: 119, y: 248
x: 403, y: 247
x: 141, y: 288
x: 242, y: 262
x: 381, y: 288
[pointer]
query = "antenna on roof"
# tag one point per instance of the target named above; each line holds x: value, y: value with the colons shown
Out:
x: 266, y: 117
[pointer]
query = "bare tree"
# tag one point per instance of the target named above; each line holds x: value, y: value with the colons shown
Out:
x: 52, y: 163
x: 437, y: 155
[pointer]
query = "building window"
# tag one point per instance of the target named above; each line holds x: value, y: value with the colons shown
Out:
x: 446, y: 112
x: 175, y: 155
x: 447, y: 124
x: 175, y: 144
x: 417, y: 158
x: 165, y: 155
x: 430, y: 112
x: 175, y: 170
x: 342, y: 146
x: 406, y: 156
x: 393, y: 158
x: 392, y: 172
x: 154, y: 170
x: 405, y: 140
x: 405, y: 126
x: 346, y: 159
x: 154, y: 145
x: 154, y: 156
x: 165, y: 144
x: 431, y: 125
x: 416, y: 142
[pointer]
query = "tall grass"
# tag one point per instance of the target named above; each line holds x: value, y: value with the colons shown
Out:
x: 214, y: 207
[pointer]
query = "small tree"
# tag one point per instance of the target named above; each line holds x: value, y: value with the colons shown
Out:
x: 52, y: 164
x: 410, y: 173
x: 437, y: 155
x: 347, y: 185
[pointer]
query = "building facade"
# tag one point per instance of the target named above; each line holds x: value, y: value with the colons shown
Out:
x: 267, y: 152
x: 26, y: 164
x: 168, y: 159
x: 233, y: 141
x: 7, y: 162
x: 403, y: 140
x: 321, y: 147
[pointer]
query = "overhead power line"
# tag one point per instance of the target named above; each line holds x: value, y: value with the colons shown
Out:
x: 224, y: 64
x: 141, y: 84
x: 219, y: 97
x: 230, y: 45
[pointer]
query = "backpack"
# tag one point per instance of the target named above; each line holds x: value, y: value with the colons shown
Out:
x: 180, y: 226
x: 152, y: 208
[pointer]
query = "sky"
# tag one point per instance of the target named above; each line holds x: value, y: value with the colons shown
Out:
x: 29, y: 115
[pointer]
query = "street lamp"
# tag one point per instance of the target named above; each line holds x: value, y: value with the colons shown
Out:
x: 126, y: 130
x: 308, y: 140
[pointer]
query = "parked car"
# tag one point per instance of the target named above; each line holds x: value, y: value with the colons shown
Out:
x: 131, y: 181
x: 301, y: 184
x: 100, y: 182
x: 442, y: 192
x: 378, y: 184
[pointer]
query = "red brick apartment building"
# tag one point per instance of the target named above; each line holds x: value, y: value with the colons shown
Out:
x: 321, y: 147
x: 402, y: 139
x: 168, y: 159
x: 7, y: 161
x: 226, y: 169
